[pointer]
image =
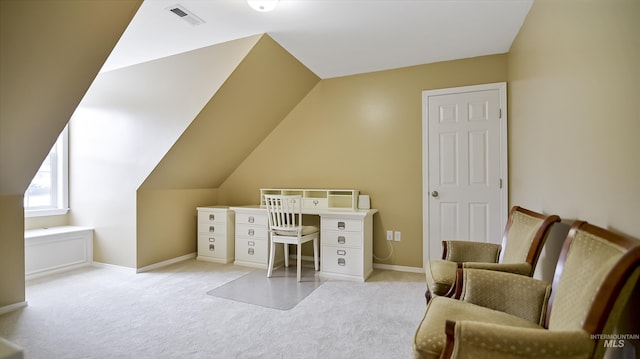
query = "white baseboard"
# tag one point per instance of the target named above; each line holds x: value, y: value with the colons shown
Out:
x: 146, y: 268
x: 12, y: 307
x: 375, y: 265
x: 113, y: 266
x: 56, y: 270
x: 398, y: 268
x: 9, y: 350
x: 166, y: 263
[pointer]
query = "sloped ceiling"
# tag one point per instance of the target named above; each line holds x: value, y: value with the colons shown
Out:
x: 332, y: 37
x: 131, y: 117
x: 50, y: 52
x: 261, y: 91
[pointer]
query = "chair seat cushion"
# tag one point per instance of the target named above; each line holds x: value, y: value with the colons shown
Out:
x: 440, y: 276
x: 430, y: 337
x: 305, y: 230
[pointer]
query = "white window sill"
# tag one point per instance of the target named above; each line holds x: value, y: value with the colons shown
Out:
x: 46, y: 212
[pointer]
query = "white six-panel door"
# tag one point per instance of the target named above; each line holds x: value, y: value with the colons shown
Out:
x: 464, y: 165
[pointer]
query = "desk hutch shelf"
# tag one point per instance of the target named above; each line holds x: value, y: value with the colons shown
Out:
x: 318, y: 199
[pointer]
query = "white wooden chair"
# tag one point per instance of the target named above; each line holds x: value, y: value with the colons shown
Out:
x: 285, y: 226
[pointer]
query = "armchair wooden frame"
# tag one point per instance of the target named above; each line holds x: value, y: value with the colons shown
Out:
x: 605, y: 296
x: 532, y: 256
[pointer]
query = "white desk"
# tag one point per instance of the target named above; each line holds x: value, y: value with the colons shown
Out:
x: 346, y: 241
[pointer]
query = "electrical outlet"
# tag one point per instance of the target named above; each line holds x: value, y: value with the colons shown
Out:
x: 389, y: 235
x: 396, y: 235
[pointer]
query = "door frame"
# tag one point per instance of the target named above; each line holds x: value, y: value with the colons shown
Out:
x: 504, y: 194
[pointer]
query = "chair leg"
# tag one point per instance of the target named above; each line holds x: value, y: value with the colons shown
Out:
x: 271, y: 258
x: 315, y: 254
x: 286, y: 254
x: 299, y: 259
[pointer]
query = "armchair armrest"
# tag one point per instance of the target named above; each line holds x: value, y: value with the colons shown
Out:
x: 515, y: 294
x: 466, y: 251
x: 515, y: 268
x: 466, y: 339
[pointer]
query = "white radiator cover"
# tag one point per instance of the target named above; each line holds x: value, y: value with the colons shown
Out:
x: 57, y: 249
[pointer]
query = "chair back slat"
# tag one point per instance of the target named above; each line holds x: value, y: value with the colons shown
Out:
x: 284, y: 212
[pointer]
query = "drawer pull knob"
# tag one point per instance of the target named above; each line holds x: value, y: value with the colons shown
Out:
x: 341, y: 225
x: 212, y: 217
x: 341, y: 262
x: 315, y: 202
x: 212, y: 229
x: 251, y: 219
x: 212, y: 247
x: 341, y: 239
x: 251, y: 232
x: 250, y: 251
x: 212, y: 239
x: 251, y: 243
x: 341, y: 252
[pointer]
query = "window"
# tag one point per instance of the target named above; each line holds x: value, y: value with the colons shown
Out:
x: 47, y: 194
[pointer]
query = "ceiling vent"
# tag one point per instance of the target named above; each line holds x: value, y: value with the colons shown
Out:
x: 185, y: 14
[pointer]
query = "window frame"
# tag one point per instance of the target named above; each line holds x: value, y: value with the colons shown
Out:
x: 61, y: 180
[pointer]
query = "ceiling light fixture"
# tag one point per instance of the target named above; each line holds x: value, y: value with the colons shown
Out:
x: 263, y: 5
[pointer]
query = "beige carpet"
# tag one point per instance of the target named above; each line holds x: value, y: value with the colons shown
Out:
x: 166, y: 313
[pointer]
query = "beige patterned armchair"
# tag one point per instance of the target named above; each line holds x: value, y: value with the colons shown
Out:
x: 522, y: 243
x: 502, y: 315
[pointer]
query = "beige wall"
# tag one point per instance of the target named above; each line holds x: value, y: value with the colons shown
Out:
x: 361, y: 132
x: 11, y: 250
x: 260, y: 92
x: 50, y: 52
x: 166, y: 223
x: 47, y: 221
x: 123, y: 128
x: 574, y: 86
x: 573, y: 81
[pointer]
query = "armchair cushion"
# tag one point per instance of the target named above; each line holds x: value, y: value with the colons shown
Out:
x: 467, y: 251
x: 430, y: 337
x: 579, y: 280
x: 440, y: 275
x: 474, y: 340
x: 525, y: 298
x: 515, y: 268
x: 520, y: 237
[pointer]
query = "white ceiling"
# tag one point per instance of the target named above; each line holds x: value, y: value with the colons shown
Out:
x: 331, y: 37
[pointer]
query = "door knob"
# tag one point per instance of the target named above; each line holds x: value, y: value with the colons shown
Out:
x: 435, y: 194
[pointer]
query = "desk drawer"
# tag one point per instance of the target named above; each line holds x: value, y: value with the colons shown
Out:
x: 314, y: 203
x: 339, y: 224
x: 251, y: 250
x: 212, y: 217
x: 210, y: 227
x: 250, y: 231
x: 342, y: 260
x: 342, y: 238
x: 252, y: 218
x: 211, y: 245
